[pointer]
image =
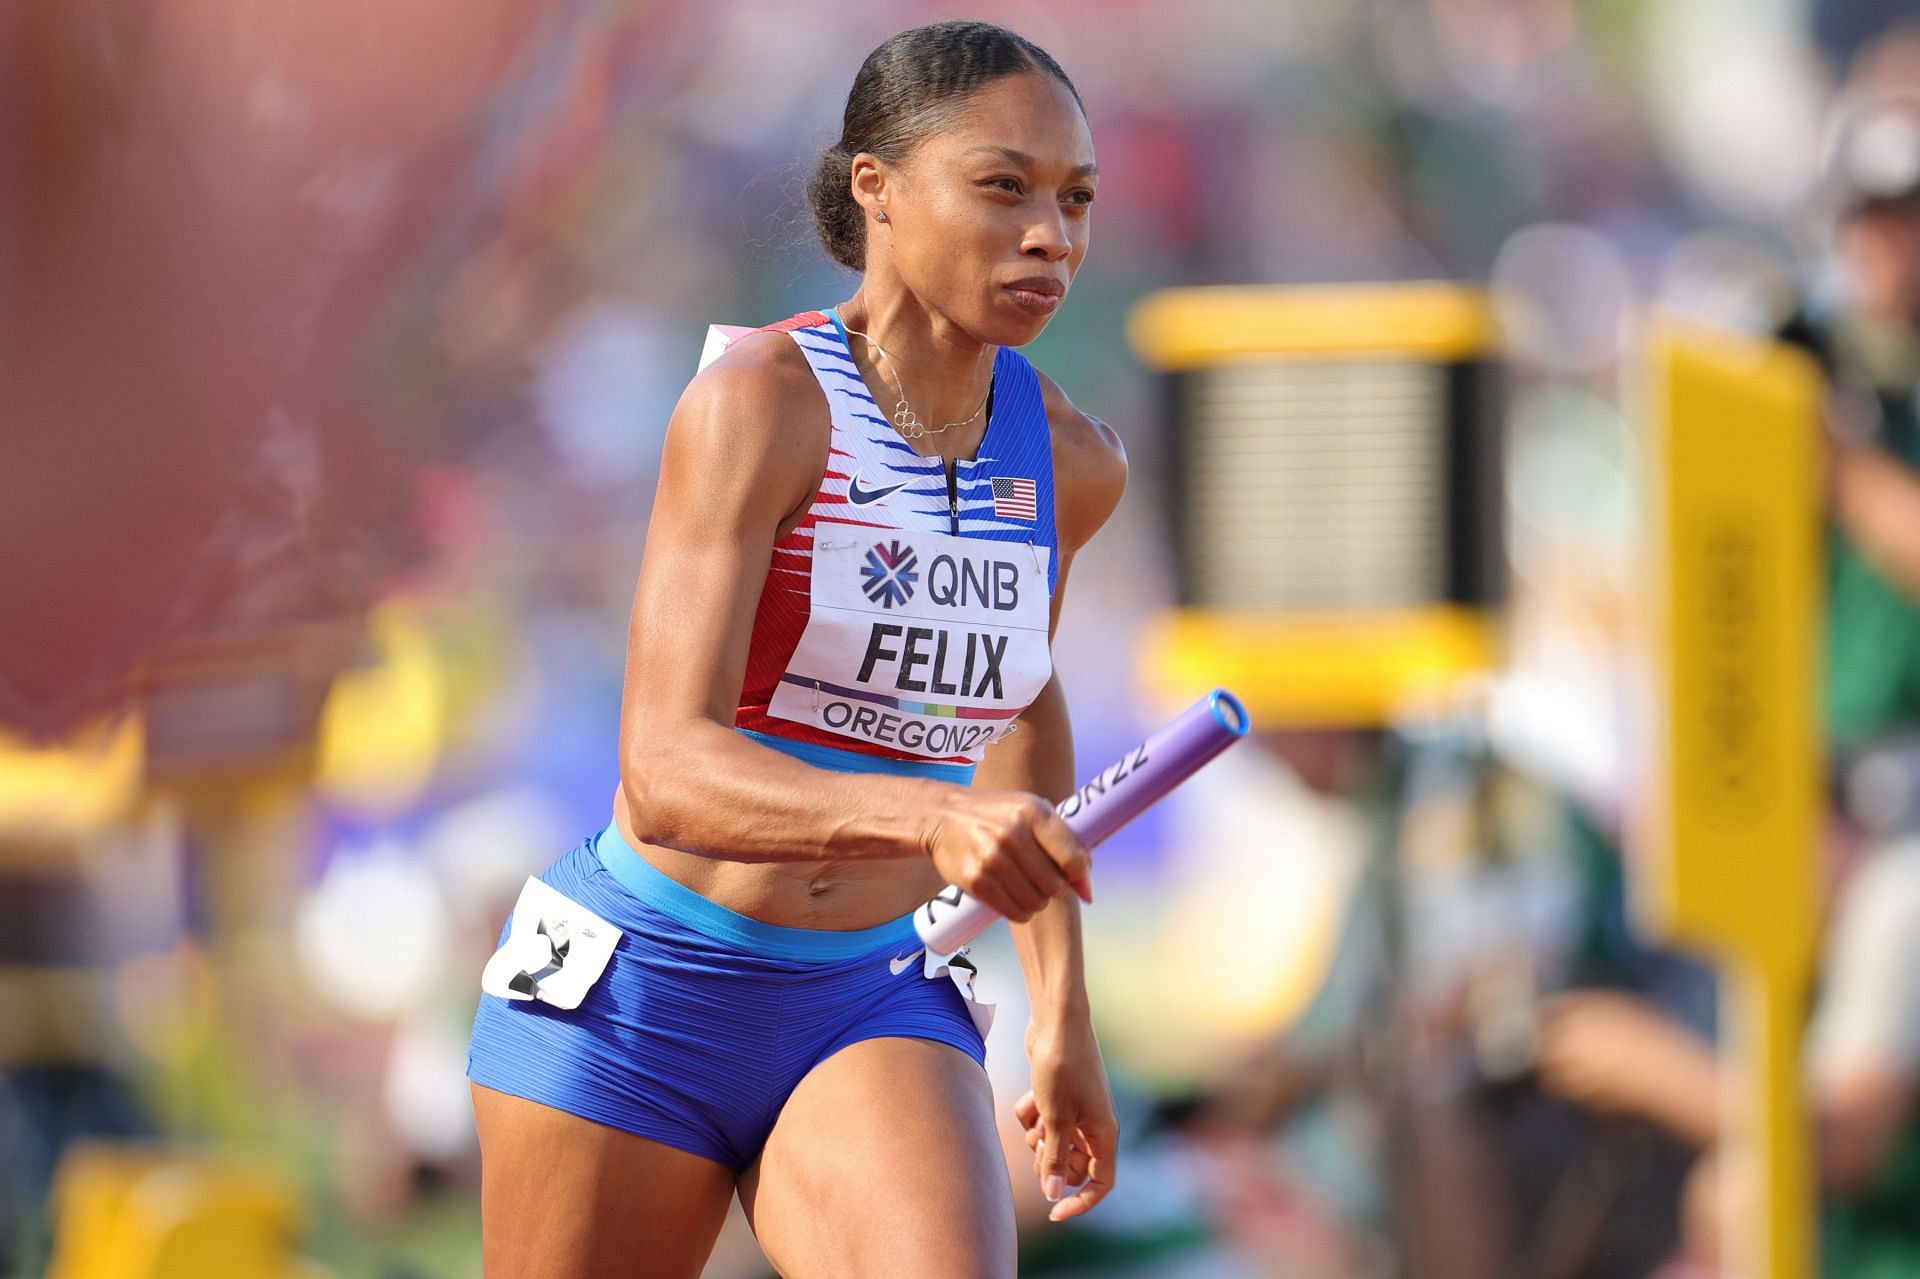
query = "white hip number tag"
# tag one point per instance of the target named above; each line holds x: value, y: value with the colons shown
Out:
x: 555, y: 949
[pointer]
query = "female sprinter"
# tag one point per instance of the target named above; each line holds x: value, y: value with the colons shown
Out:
x: 864, y: 523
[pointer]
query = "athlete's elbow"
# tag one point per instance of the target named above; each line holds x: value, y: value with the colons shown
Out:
x: 647, y: 775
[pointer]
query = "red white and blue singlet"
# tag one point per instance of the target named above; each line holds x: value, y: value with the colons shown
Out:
x: 905, y: 617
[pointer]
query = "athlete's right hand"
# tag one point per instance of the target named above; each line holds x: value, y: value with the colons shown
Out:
x: 1010, y: 849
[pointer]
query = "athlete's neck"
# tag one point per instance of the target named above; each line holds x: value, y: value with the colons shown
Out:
x: 943, y: 373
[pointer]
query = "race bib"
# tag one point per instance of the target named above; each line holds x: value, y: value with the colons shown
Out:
x: 924, y: 642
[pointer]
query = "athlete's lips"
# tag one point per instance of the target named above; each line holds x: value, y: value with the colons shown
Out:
x: 1042, y: 284
x: 1038, y: 295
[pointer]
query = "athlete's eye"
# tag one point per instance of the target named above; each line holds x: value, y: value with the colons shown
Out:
x: 1011, y: 185
x: 1081, y: 197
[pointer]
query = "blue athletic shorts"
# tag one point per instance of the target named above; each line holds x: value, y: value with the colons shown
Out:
x: 705, y: 1020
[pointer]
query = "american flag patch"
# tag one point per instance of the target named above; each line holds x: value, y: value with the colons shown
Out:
x: 1015, y: 499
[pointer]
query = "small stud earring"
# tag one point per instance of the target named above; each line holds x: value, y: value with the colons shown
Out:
x: 881, y: 216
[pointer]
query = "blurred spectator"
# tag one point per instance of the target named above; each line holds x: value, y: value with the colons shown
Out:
x: 1866, y: 333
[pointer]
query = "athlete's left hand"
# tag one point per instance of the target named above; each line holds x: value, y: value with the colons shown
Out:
x: 1068, y: 1116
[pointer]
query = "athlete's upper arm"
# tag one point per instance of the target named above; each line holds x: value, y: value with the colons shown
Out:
x: 1089, y: 476
x: 744, y: 450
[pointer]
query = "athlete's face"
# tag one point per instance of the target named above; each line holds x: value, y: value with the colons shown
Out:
x: 987, y: 220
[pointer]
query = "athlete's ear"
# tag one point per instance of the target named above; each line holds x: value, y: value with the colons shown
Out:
x: 871, y: 185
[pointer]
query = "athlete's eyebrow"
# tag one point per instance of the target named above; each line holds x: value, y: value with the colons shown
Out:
x: 1012, y: 156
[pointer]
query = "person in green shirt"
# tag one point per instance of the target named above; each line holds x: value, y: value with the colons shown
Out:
x: 1868, y: 341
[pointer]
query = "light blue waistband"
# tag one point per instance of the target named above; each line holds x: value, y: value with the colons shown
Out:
x: 775, y: 941
x: 844, y: 761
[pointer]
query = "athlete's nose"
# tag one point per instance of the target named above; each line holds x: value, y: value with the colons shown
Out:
x: 1047, y: 240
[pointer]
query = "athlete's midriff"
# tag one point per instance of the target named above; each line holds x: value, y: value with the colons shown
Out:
x: 836, y: 896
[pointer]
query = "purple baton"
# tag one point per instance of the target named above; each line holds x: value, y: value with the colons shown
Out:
x: 1112, y: 799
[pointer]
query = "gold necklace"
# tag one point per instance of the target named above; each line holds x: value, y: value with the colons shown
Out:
x: 905, y: 420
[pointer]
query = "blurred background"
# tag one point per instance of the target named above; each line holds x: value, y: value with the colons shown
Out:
x: 337, y: 342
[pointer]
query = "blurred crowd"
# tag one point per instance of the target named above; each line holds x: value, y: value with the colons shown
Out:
x: 338, y: 341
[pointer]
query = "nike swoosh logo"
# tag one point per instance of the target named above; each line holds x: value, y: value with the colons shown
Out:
x: 900, y: 963
x: 867, y: 497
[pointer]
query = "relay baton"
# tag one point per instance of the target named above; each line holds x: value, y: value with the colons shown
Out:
x: 1113, y: 798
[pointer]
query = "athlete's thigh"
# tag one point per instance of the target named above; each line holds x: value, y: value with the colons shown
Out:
x: 562, y: 1196
x: 885, y: 1161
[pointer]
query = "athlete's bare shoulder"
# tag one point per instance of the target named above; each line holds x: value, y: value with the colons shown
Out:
x: 753, y: 422
x: 761, y: 369
x: 1089, y: 466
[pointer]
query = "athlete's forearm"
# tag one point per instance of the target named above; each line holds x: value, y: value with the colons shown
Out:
x: 716, y: 793
x: 1052, y: 959
x: 1038, y: 757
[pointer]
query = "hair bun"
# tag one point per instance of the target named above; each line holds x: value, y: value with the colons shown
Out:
x: 835, y: 212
